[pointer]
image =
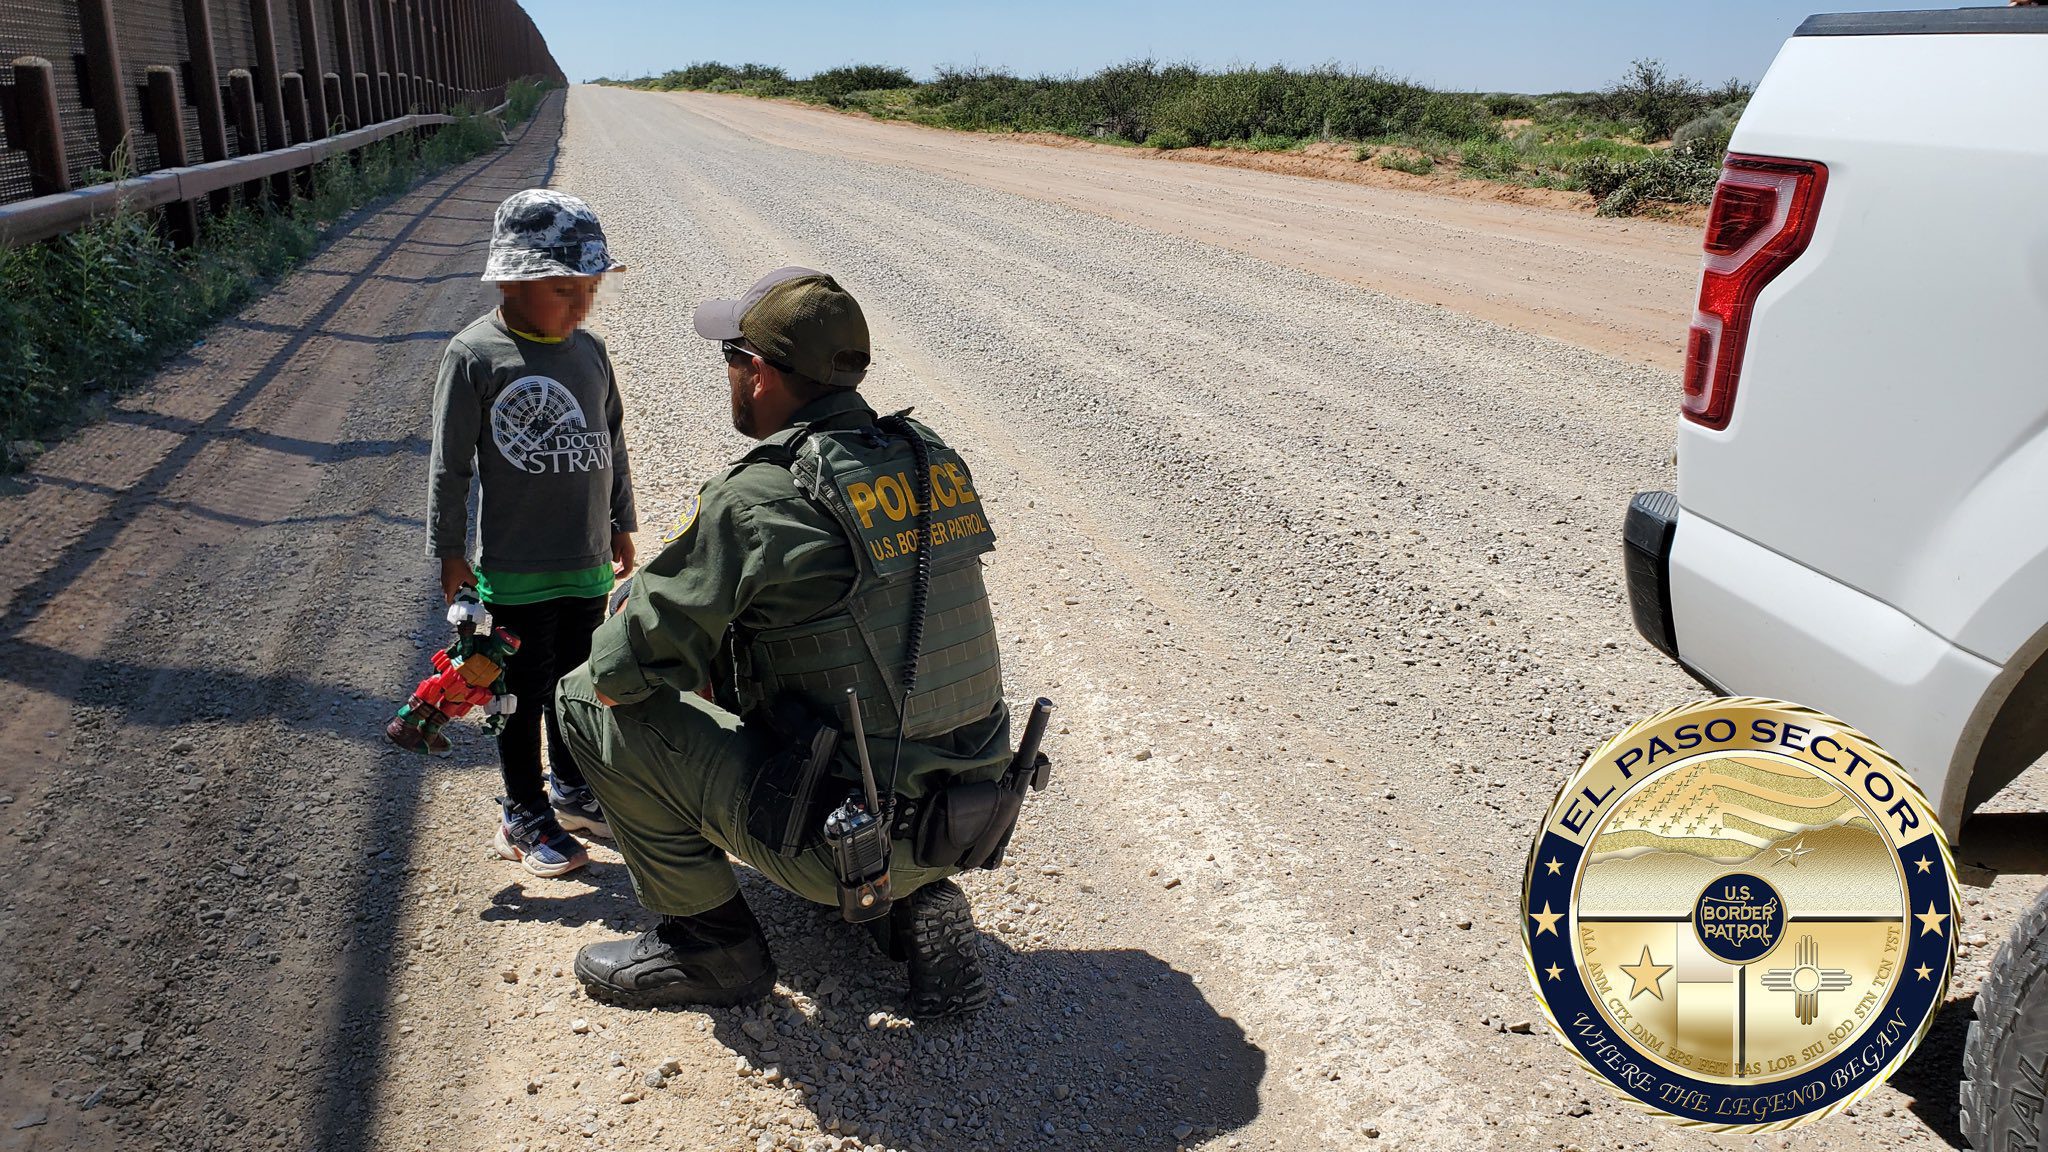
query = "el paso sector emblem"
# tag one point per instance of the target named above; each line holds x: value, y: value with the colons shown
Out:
x: 1741, y: 914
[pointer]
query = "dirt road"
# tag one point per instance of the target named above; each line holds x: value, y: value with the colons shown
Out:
x: 1324, y: 582
x: 1623, y: 287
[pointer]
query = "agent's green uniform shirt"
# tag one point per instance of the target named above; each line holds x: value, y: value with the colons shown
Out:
x: 754, y: 551
x: 672, y: 770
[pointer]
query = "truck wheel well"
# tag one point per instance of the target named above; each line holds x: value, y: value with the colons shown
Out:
x: 2018, y: 735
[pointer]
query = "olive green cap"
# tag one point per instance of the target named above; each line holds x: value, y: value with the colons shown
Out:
x: 798, y: 317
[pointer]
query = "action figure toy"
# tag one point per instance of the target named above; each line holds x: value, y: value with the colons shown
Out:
x: 470, y: 673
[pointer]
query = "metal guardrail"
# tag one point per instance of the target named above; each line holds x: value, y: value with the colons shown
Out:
x: 26, y: 221
x: 403, y: 65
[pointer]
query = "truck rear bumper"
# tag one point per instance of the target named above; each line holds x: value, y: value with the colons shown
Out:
x: 1646, y: 556
x: 1751, y: 621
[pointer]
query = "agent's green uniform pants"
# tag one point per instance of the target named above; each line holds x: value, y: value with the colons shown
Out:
x: 672, y: 774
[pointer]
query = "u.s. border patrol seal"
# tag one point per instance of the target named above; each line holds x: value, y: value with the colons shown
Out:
x: 1741, y: 914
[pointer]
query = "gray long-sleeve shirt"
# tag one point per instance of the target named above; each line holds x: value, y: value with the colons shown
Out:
x: 540, y: 424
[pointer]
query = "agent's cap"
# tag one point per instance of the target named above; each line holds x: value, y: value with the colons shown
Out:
x: 798, y: 317
x: 540, y: 233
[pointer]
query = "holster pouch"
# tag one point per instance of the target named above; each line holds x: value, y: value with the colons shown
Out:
x: 954, y: 820
x: 969, y: 825
x: 988, y: 849
x: 784, y: 808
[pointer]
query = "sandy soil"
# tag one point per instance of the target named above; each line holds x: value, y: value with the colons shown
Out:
x: 1323, y: 579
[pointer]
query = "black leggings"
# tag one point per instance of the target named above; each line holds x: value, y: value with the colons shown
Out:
x: 554, y: 637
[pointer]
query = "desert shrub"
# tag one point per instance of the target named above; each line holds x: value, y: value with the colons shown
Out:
x: 1118, y: 102
x: 1509, y: 106
x: 1140, y: 99
x: 712, y: 76
x: 1680, y: 175
x: 1652, y: 100
x: 1710, y: 129
x: 834, y: 84
x: 982, y: 99
x: 1731, y: 91
x: 523, y: 97
x: 1712, y: 126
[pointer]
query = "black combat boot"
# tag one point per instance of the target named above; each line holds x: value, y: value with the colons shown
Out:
x: 933, y: 932
x: 715, y: 957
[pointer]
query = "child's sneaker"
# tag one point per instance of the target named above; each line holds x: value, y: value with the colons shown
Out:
x: 539, y: 844
x: 576, y: 809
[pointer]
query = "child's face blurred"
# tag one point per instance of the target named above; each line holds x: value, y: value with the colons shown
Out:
x: 552, y: 307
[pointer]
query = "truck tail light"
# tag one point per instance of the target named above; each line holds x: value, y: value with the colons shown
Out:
x: 1763, y: 216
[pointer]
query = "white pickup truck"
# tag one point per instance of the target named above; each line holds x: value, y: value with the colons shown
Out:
x: 1861, y: 522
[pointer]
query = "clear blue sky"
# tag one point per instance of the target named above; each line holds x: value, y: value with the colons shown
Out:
x: 1485, y: 45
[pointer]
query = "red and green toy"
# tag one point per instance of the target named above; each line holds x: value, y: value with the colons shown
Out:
x: 468, y: 674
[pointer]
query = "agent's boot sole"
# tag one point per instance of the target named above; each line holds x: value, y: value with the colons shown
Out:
x: 939, y: 945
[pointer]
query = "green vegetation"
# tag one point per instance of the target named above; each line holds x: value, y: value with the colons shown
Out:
x: 522, y: 97
x: 98, y: 309
x: 1400, y: 160
x: 1650, y: 138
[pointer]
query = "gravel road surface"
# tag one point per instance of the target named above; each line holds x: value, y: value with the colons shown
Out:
x: 1623, y: 287
x: 1324, y: 581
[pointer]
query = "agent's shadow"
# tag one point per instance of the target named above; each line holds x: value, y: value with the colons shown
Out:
x: 1112, y: 1049
x: 1109, y: 1048
x: 2000, y: 843
x: 1933, y: 1076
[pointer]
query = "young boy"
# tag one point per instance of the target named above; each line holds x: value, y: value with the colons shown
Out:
x: 527, y: 403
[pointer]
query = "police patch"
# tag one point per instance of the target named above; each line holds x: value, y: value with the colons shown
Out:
x: 687, y: 517
x: 1740, y: 913
x: 885, y: 512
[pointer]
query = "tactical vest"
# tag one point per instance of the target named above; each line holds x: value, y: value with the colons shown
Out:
x: 865, y: 478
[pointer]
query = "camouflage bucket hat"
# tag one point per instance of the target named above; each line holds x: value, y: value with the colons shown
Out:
x: 799, y: 318
x: 540, y: 234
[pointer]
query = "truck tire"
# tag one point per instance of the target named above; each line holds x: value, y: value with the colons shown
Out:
x: 2006, y: 1055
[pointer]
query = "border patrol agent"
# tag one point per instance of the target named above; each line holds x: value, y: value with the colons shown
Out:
x: 790, y: 580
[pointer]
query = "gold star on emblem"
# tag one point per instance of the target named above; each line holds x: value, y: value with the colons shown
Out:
x: 1922, y: 863
x: 1552, y: 864
x: 1647, y: 974
x: 1930, y: 920
x: 1554, y: 972
x: 1924, y: 972
x: 1791, y: 855
x: 1546, y: 920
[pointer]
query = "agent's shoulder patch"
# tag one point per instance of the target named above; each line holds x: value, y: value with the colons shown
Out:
x: 684, y: 519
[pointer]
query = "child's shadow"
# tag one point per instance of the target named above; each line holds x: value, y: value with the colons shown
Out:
x: 601, y: 894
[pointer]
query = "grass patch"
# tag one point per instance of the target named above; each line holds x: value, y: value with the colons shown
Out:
x: 1403, y: 160
x: 1596, y: 142
x: 94, y: 311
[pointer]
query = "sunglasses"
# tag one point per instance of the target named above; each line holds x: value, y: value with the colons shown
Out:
x: 740, y: 357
